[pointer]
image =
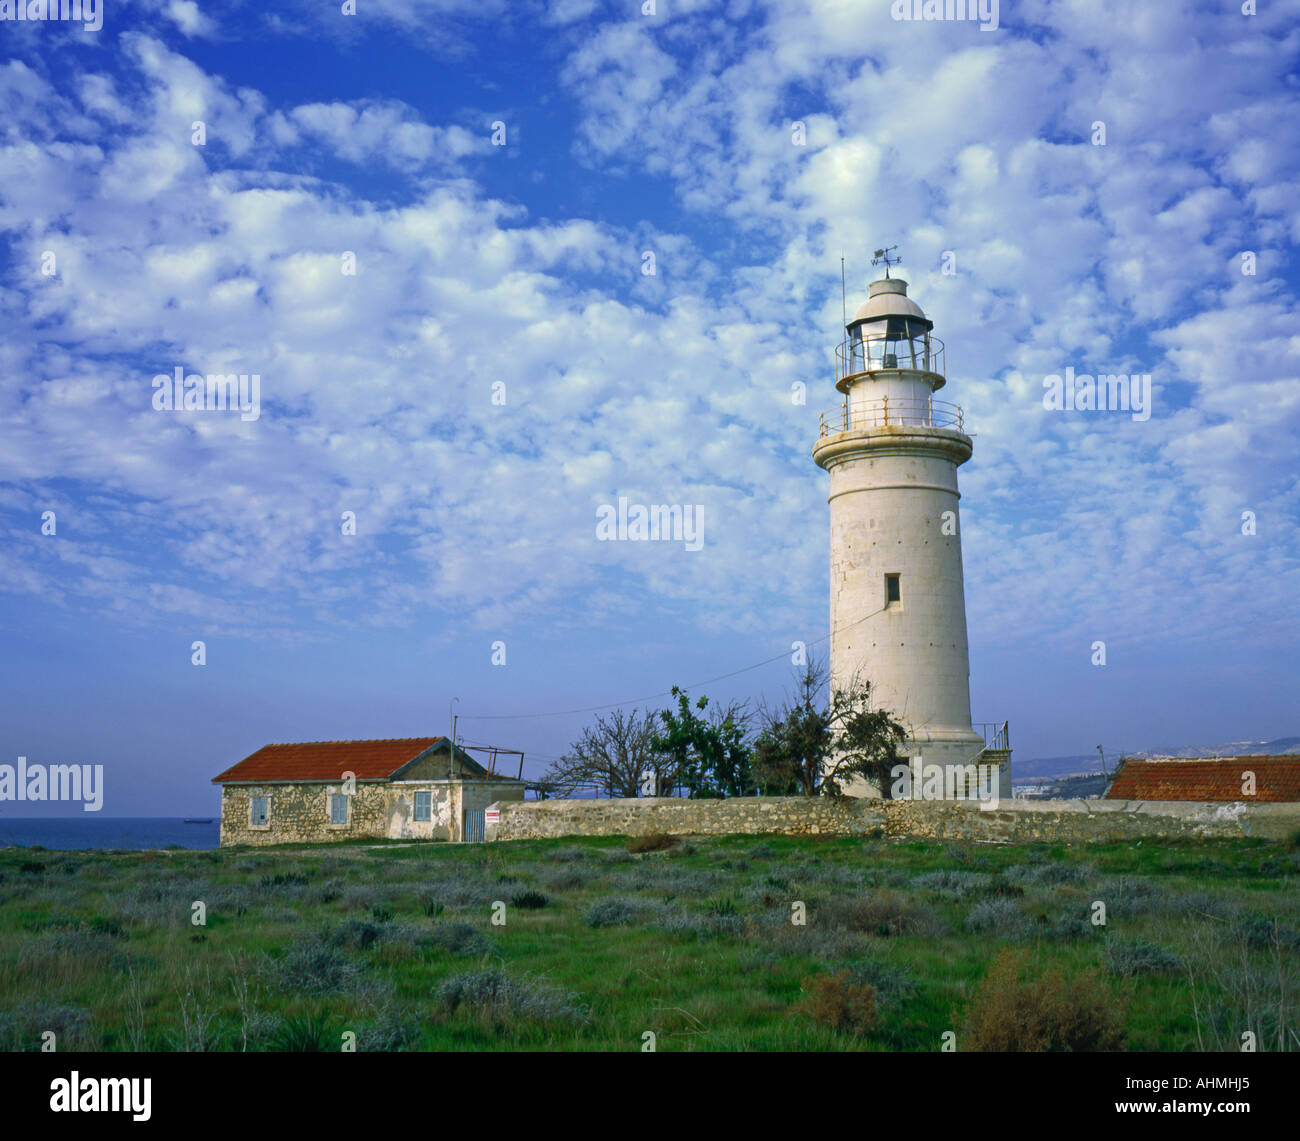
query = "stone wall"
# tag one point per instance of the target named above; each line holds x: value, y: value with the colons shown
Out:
x: 1018, y: 821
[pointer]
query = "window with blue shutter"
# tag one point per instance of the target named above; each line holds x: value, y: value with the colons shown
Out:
x: 259, y: 811
x: 338, y: 809
x: 424, y: 806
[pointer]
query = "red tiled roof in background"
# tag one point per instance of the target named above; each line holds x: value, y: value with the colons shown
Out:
x: 329, y: 760
x: 1277, y: 778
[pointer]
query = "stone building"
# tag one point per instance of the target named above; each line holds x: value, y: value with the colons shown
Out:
x: 402, y: 788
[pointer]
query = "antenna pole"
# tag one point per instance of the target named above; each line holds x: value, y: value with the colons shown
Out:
x: 844, y: 304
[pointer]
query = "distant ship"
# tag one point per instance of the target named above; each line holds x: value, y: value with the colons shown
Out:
x: 198, y: 820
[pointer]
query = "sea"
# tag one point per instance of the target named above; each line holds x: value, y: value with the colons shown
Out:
x: 120, y: 832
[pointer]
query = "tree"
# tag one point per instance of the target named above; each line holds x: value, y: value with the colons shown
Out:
x: 809, y: 746
x: 614, y: 755
x: 791, y: 750
x: 864, y: 741
x: 710, y: 756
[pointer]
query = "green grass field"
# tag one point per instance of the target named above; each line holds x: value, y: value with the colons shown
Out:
x: 694, y: 943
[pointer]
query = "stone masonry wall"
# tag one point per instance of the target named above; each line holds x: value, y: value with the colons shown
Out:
x: 300, y: 812
x: 1061, y: 821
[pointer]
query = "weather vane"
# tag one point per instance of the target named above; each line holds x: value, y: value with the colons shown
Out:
x: 883, y: 255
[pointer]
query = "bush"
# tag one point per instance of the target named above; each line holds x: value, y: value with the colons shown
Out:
x: 530, y: 900
x: 21, y: 1026
x: 284, y: 879
x: 1262, y: 934
x: 395, y: 1028
x: 314, y: 966
x: 103, y: 925
x: 703, y: 926
x: 1043, y: 1014
x: 958, y: 884
x: 461, y: 939
x: 567, y: 855
x: 495, y: 997
x: 568, y: 877
x: 650, y: 842
x: 310, y: 1033
x: 889, y: 980
x: 1135, y: 958
x: 610, y: 912
x: 1050, y: 875
x: 879, y: 913
x: 1064, y: 928
x: 1000, y: 918
x: 357, y: 933
x: 432, y: 906
x: 839, y: 1003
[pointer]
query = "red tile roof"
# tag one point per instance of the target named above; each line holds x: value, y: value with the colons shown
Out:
x: 1277, y: 778
x: 329, y: 760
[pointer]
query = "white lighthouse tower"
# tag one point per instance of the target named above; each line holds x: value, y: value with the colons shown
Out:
x: 898, y: 609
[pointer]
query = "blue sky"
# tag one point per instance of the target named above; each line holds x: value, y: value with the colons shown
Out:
x: 626, y: 133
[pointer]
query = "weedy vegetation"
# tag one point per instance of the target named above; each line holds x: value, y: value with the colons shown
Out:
x: 720, y: 943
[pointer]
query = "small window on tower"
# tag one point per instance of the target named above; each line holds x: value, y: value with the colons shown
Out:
x: 893, y: 591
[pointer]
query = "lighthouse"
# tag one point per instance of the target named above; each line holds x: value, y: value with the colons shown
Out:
x: 898, y: 608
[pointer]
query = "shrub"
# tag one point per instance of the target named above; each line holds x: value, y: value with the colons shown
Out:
x: 838, y: 1002
x: 703, y: 926
x: 104, y: 925
x: 617, y: 856
x: 721, y: 908
x: 356, y: 933
x: 310, y: 1033
x: 568, y: 877
x: 958, y: 884
x: 314, y: 966
x: 650, y: 842
x: 432, y: 906
x: 1064, y: 928
x: 530, y: 900
x: 610, y: 912
x: 461, y: 939
x: 1129, y: 958
x: 1262, y: 934
x: 495, y: 997
x: 889, y: 980
x: 395, y: 1028
x: 284, y: 879
x: 329, y: 892
x: 21, y: 1026
x: 1043, y: 1014
x: 567, y: 855
x: 879, y: 913
x: 1000, y: 918
x: 1050, y: 875
x: 381, y: 914
x: 762, y: 852
x: 77, y: 946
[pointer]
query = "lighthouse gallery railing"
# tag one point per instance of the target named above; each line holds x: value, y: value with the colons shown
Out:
x: 884, y: 413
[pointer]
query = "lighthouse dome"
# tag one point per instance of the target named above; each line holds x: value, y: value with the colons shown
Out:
x: 888, y: 298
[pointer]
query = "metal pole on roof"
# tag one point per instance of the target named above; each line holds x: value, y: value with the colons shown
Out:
x: 451, y: 717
